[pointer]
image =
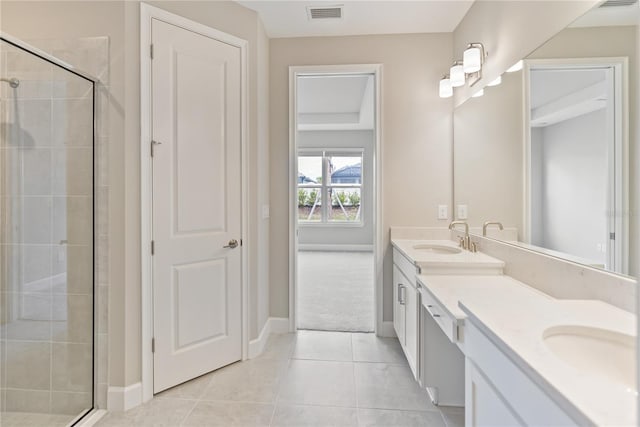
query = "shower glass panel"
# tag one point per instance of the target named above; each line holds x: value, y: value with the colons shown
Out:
x: 46, y: 240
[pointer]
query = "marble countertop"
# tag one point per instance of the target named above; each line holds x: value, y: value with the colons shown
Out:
x: 472, y: 262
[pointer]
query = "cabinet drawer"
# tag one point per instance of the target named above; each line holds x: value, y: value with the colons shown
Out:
x: 406, y: 266
x: 448, y: 324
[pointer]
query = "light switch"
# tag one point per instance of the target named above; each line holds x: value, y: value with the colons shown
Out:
x: 443, y: 212
x: 462, y: 212
x: 265, y: 211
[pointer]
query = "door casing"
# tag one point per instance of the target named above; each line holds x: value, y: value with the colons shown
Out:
x: 147, y: 13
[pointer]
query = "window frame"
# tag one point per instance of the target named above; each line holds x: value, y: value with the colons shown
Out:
x: 325, y: 187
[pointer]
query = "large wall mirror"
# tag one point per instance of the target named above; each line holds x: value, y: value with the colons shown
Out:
x: 549, y: 153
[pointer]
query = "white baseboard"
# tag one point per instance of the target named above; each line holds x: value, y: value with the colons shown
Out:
x: 334, y: 248
x: 386, y: 330
x: 124, y: 398
x: 273, y: 325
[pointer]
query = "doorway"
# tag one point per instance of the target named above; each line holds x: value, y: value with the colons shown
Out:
x: 577, y: 142
x: 335, y: 215
x: 194, y: 199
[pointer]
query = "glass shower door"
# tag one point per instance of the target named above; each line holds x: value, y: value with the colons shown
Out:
x: 46, y: 240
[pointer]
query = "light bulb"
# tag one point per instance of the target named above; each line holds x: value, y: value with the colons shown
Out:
x: 471, y: 60
x: 446, y: 90
x: 515, y: 67
x: 495, y: 82
x: 456, y: 74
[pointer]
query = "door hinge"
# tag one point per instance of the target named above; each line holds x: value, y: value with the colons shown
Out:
x: 153, y: 247
x: 151, y: 50
x: 152, y: 144
x: 612, y: 236
x: 153, y: 345
x: 240, y: 242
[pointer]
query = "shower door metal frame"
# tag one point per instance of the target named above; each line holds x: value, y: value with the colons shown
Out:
x: 38, y: 53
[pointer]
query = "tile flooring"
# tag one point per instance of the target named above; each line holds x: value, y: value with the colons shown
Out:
x: 311, y: 378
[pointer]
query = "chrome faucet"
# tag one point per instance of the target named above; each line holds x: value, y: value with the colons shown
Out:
x: 488, y: 223
x: 465, y: 242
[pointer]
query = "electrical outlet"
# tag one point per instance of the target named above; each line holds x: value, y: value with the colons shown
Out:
x: 443, y: 212
x: 462, y: 212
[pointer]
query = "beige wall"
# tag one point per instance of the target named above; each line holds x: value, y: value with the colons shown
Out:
x: 510, y: 30
x: 119, y: 20
x: 416, y: 135
x: 487, y: 152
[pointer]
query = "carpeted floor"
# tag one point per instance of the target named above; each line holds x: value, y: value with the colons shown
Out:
x: 335, y: 291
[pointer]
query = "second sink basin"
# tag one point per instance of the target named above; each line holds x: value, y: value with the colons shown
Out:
x: 437, y: 249
x: 598, y: 351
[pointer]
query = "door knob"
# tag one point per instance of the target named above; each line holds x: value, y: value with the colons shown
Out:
x: 233, y: 243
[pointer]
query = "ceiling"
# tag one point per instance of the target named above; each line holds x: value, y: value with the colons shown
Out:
x: 335, y: 102
x: 290, y: 19
x: 609, y: 16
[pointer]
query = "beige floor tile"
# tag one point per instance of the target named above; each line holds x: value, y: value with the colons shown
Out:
x: 313, y: 382
x: 370, y: 348
x: 386, y: 418
x: 230, y: 414
x: 255, y: 380
x: 279, y: 346
x: 193, y: 389
x: 323, y: 345
x: 157, y: 412
x: 25, y: 419
x: 387, y: 386
x: 314, y: 416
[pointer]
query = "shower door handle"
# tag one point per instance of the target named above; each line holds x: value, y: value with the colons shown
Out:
x: 233, y: 243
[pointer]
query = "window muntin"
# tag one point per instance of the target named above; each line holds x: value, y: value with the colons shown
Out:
x: 335, y: 176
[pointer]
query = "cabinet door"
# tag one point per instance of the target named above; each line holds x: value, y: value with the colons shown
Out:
x: 399, y: 282
x: 484, y: 406
x: 411, y: 326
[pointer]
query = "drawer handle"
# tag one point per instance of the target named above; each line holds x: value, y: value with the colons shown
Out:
x: 436, y: 315
x: 429, y: 305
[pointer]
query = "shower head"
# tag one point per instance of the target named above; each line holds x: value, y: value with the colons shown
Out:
x: 13, y: 82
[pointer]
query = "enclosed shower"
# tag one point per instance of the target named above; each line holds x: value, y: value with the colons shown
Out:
x: 47, y: 125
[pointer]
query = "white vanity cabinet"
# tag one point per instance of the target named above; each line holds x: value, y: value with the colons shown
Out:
x: 499, y: 393
x: 406, y: 306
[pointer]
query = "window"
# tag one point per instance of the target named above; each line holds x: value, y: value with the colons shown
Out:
x: 335, y: 176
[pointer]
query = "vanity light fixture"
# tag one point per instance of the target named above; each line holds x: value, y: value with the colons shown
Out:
x: 515, y: 67
x: 456, y: 74
x: 446, y: 90
x: 473, y: 58
x: 495, y: 82
x: 478, y: 94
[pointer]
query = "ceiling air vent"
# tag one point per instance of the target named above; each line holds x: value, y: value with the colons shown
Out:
x: 324, y: 12
x: 615, y: 3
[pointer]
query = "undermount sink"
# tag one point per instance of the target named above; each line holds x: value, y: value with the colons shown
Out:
x: 597, y: 351
x: 437, y: 249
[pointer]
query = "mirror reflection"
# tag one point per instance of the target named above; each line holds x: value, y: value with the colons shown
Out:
x: 547, y: 154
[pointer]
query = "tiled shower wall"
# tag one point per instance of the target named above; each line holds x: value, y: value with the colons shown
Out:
x: 47, y: 349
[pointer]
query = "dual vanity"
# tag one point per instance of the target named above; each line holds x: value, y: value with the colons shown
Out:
x: 506, y: 351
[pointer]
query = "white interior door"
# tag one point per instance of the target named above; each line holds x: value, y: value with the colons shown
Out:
x: 196, y: 107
